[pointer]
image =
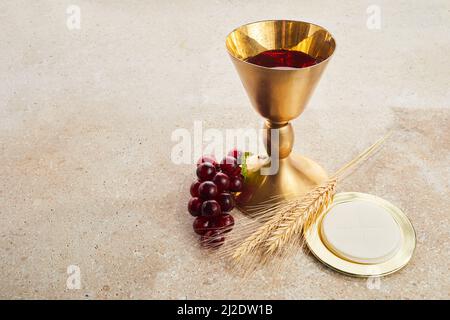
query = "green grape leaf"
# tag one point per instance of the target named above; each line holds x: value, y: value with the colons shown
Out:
x: 244, y: 170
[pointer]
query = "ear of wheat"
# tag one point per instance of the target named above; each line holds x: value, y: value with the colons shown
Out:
x: 275, y: 228
x: 301, y: 215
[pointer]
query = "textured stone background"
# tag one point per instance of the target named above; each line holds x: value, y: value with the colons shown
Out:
x: 86, y: 118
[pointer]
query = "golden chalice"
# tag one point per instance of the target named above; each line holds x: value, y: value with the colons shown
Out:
x: 279, y: 95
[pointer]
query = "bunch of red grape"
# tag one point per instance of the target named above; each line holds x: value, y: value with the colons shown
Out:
x: 213, y: 198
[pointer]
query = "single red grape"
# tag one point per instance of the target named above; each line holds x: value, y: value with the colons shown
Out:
x: 224, y: 223
x: 212, y: 239
x: 236, y: 184
x: 235, y: 153
x: 222, y: 181
x: 207, y: 190
x: 211, y: 208
x: 209, y: 159
x: 236, y: 172
x: 226, y: 201
x: 206, y: 171
x: 229, y: 164
x: 194, y: 206
x: 194, y: 188
x: 202, y: 224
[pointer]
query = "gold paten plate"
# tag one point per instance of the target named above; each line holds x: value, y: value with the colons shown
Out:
x: 398, y: 261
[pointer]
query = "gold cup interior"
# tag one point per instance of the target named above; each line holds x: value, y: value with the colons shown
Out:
x: 253, y: 38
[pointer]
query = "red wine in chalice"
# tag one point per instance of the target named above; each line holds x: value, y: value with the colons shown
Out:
x: 283, y: 59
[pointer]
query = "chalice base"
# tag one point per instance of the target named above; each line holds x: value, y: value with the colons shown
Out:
x: 296, y: 176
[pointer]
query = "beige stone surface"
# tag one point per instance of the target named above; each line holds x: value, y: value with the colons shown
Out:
x: 86, y: 118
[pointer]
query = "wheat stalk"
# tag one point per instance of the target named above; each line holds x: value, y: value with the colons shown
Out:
x: 301, y: 215
x: 252, y: 242
x: 290, y: 219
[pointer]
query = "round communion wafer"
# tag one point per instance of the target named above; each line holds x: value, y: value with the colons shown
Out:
x: 361, y: 231
x: 362, y: 235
